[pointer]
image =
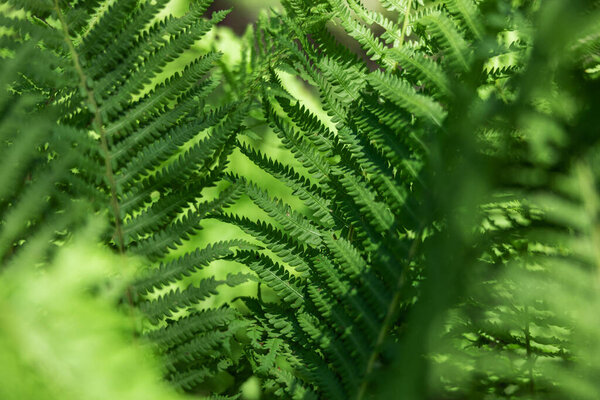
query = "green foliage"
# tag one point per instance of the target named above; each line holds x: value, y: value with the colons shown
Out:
x: 427, y: 229
x: 146, y: 139
x: 62, y: 336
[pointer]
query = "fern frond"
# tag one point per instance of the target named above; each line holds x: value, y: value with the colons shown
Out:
x: 176, y: 299
x: 404, y: 96
x: 354, y: 266
x: 200, y: 347
x: 469, y: 15
x: 155, y: 101
x: 340, y: 357
x: 172, y: 235
x: 303, y: 150
x: 371, y: 44
x: 275, y: 276
x: 187, y: 327
x: 277, y: 241
x: 423, y: 68
x: 452, y: 42
x: 296, y: 225
x: 341, y: 288
x: 310, y: 194
x: 383, y: 218
x: 187, y: 264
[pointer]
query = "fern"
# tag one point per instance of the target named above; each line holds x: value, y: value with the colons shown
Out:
x: 532, y: 213
x: 35, y: 161
x: 374, y: 208
x: 156, y: 140
x: 355, y: 251
x: 448, y: 172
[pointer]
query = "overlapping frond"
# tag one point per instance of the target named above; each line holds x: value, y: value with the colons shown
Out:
x: 458, y: 143
x: 147, y: 139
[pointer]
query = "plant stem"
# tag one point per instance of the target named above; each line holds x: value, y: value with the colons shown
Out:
x: 405, y: 23
x: 591, y: 204
x: 99, y: 127
x: 387, y: 321
x: 391, y: 311
x: 530, y: 359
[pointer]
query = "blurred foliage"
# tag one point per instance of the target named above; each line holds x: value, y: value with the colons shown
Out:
x: 63, y: 337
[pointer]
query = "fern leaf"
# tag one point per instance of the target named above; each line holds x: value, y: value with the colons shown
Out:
x: 277, y: 241
x: 383, y: 218
x: 160, y: 242
x: 295, y: 224
x: 339, y: 355
x: 177, y: 299
x: 422, y: 68
x: 455, y: 46
x: 342, y: 322
x: 404, y: 96
x: 310, y: 194
x: 188, y: 327
x: 354, y: 266
x: 187, y: 264
x: 303, y: 151
x: 274, y: 276
x: 468, y: 12
x: 343, y: 290
x: 162, y: 95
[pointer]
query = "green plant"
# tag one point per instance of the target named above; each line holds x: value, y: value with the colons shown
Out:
x: 148, y: 143
x: 457, y: 150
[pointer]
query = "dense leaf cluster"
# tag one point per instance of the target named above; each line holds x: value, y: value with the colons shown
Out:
x: 448, y: 241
